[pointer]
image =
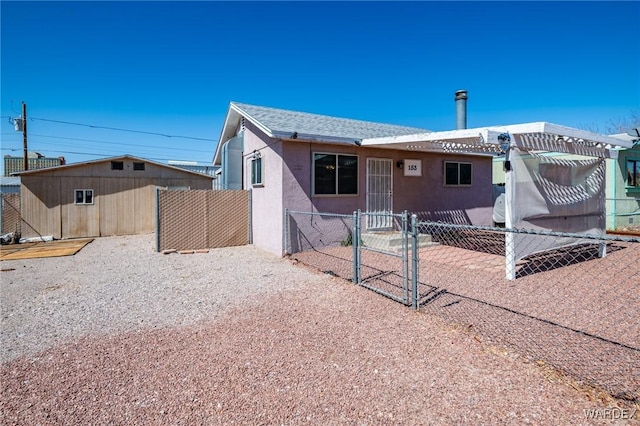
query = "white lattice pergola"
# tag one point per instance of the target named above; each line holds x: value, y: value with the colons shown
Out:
x: 540, y: 136
x: 512, y: 141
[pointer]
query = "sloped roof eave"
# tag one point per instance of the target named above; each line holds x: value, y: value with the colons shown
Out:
x: 237, y: 111
x: 104, y: 160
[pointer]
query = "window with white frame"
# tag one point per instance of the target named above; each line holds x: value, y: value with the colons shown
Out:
x: 457, y: 174
x: 83, y: 196
x: 256, y: 170
x: 633, y: 173
x: 335, y: 174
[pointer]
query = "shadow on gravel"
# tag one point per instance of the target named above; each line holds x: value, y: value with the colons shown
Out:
x: 591, y: 359
x: 563, y: 257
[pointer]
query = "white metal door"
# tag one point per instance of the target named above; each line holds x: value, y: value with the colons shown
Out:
x: 379, y: 193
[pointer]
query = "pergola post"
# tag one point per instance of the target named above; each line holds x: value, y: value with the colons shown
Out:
x: 509, y: 237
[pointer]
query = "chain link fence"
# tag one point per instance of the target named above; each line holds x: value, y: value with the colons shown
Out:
x: 572, y: 303
x: 383, y: 254
x: 323, y: 241
x: 625, y: 215
x: 11, y: 219
x: 575, y: 307
x: 201, y: 219
x: 369, y: 249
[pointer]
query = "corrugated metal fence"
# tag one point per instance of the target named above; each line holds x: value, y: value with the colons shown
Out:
x: 201, y: 219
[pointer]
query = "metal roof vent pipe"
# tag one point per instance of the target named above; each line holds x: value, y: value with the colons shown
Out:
x: 461, y: 109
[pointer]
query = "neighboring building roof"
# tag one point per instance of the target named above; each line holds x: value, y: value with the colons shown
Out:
x: 104, y: 160
x: 627, y: 137
x: 35, y: 161
x: 9, y: 181
x: 205, y: 169
x: 286, y: 124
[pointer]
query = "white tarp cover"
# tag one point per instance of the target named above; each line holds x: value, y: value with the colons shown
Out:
x: 557, y: 195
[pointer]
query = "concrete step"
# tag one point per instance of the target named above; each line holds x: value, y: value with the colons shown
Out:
x: 393, y: 240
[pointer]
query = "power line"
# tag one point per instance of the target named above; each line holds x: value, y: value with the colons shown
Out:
x: 104, y: 155
x: 111, y: 142
x: 123, y: 130
x: 41, y: 146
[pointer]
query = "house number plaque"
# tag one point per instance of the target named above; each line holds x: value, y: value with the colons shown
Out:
x: 412, y: 168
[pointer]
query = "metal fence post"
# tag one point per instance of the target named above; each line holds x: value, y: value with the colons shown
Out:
x: 405, y: 256
x: 358, y: 238
x: 285, y: 231
x: 157, y: 218
x: 250, y: 217
x: 414, y: 261
x: 355, y: 240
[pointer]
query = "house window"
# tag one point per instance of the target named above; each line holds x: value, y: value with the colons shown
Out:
x: 256, y: 171
x: 633, y: 173
x: 117, y: 165
x: 83, y: 196
x: 335, y: 174
x: 138, y: 166
x: 457, y: 174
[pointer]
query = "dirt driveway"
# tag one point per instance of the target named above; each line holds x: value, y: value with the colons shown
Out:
x: 120, y: 334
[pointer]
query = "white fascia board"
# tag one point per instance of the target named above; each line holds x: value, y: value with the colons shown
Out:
x: 315, y: 138
x: 230, y: 123
x: 481, y: 134
x: 475, y: 140
x: 386, y: 140
x: 255, y: 122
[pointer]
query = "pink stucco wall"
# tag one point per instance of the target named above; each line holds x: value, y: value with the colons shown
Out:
x: 287, y: 184
x: 267, y: 200
x: 415, y: 194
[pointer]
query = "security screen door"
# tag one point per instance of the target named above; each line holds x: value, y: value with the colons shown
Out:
x: 379, y: 193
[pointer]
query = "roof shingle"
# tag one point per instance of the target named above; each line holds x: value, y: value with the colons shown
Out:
x: 281, y: 121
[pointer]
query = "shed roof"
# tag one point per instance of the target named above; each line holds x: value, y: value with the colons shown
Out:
x: 287, y: 124
x: 104, y: 160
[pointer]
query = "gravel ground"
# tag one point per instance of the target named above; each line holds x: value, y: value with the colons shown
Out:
x: 119, y: 334
x: 583, y: 319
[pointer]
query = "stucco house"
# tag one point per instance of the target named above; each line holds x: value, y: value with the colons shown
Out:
x: 310, y: 162
x: 112, y: 196
x: 623, y: 187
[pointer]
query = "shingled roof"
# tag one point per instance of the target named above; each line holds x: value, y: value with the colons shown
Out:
x: 284, y: 123
x: 287, y: 124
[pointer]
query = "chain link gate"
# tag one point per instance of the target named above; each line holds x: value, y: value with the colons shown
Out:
x: 382, y: 256
x: 340, y: 245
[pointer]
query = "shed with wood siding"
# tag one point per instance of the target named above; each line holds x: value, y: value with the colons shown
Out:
x: 113, y: 196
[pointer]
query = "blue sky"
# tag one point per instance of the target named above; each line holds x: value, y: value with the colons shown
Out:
x: 173, y: 67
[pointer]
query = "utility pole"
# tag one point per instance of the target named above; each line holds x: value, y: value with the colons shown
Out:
x: 24, y: 136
